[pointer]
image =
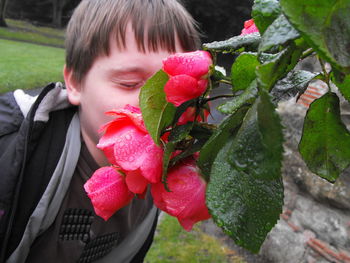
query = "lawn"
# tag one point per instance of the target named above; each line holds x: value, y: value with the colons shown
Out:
x: 26, y: 65
x: 173, y: 244
x: 24, y: 31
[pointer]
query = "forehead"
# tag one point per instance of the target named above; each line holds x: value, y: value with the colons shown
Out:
x: 130, y: 59
x: 134, y: 43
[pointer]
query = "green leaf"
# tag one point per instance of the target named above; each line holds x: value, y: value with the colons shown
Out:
x: 278, y: 67
x: 295, y: 82
x: 325, y: 25
x: 246, y: 98
x: 168, y: 150
x: 194, y: 148
x: 202, y: 131
x: 267, y: 57
x: 217, y: 75
x: 180, y: 132
x: 244, y: 65
x: 227, y: 128
x: 264, y: 13
x: 234, y: 43
x: 245, y: 191
x: 157, y: 113
x: 182, y: 108
x: 278, y: 33
x: 258, y: 145
x: 325, y: 143
x: 343, y: 83
x: 177, y: 134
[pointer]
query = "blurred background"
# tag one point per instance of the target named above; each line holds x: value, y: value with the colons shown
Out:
x: 218, y: 19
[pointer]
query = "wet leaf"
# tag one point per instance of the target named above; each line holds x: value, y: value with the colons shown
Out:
x: 325, y: 25
x: 180, y: 132
x: 325, y: 143
x: 168, y: 150
x: 295, y: 82
x: 194, y: 148
x: 246, y: 98
x: 278, y: 67
x: 227, y: 128
x: 245, y: 191
x: 343, y: 83
x: 264, y: 13
x: 267, y: 57
x: 278, y: 33
x: 217, y: 75
x: 202, y: 131
x: 234, y: 43
x: 177, y: 134
x: 244, y: 65
x: 157, y: 113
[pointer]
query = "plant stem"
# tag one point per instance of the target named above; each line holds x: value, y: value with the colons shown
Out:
x: 307, y: 53
x: 325, y: 74
x: 225, y: 81
x: 218, y: 97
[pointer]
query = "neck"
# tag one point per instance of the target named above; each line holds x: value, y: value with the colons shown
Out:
x: 96, y: 153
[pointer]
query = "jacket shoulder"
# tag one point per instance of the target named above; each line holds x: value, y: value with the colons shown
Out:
x: 11, y: 116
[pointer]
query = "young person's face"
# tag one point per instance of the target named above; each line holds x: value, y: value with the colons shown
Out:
x: 111, y: 83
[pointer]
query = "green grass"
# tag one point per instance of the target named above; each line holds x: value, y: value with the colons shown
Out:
x: 173, y: 244
x: 24, y: 31
x: 40, y: 29
x: 26, y: 66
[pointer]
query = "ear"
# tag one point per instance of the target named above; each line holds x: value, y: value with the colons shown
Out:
x: 73, y: 88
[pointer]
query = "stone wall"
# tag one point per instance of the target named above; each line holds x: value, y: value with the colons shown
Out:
x: 315, y: 223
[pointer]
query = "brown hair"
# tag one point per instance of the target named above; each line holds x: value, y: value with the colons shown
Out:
x: 94, y: 22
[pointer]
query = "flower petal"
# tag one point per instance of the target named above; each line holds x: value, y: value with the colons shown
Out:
x: 127, y: 144
x: 107, y: 191
x: 181, y: 88
x: 129, y: 148
x: 152, y: 166
x: 136, y: 182
x: 136, y: 150
x: 249, y: 27
x: 195, y: 64
x: 186, y: 199
x: 108, y: 140
x: 131, y: 113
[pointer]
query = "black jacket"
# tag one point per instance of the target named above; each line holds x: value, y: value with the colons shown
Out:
x: 33, y: 132
x: 30, y: 147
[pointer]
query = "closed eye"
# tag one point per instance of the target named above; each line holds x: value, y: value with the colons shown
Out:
x: 130, y: 85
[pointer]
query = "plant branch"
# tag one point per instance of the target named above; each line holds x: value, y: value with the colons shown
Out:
x: 307, y: 53
x: 325, y: 73
x: 225, y: 81
x: 218, y: 97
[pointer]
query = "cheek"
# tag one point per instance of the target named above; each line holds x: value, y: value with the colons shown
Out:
x: 122, y: 98
x: 94, y: 105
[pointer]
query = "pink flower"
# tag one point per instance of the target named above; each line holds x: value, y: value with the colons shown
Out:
x: 107, y: 191
x: 186, y: 201
x: 249, y: 27
x: 188, y: 72
x: 195, y: 64
x: 127, y: 144
x: 182, y: 88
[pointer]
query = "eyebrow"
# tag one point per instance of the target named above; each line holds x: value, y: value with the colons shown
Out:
x: 114, y: 72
